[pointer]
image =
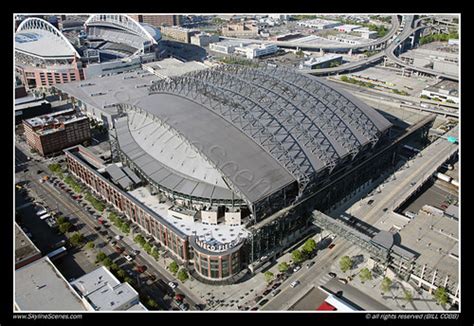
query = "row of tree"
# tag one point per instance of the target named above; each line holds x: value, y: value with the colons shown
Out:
x: 182, y: 274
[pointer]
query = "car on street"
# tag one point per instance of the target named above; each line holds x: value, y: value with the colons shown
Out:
x: 266, y: 292
x: 370, y: 202
x: 183, y: 306
x: 342, y: 280
x: 172, y: 285
x: 140, y: 268
x: 254, y: 308
x: 296, y: 268
x: 119, y: 250
x: 258, y: 298
x: 276, y: 285
x: 261, y: 303
x: 197, y: 306
x: 118, y: 237
x: 294, y: 283
x: 332, y: 274
x: 179, y: 297
x: 136, y: 252
x: 311, y: 263
x: 128, y: 257
x: 275, y: 292
x: 332, y: 245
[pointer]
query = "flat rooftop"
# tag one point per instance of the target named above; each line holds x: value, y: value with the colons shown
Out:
x: 445, y: 86
x: 434, y: 238
x: 172, y: 67
x: 103, y: 290
x: 24, y: 247
x: 39, y: 286
x: 102, y: 92
x: 221, y: 232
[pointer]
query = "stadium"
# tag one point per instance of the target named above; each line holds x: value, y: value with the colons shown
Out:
x: 45, y: 56
x: 234, y: 148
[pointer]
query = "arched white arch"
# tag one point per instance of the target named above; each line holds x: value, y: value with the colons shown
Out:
x: 123, y: 21
x: 33, y: 23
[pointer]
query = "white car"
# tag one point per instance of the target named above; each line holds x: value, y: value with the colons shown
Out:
x: 297, y: 268
x: 128, y: 258
x: 118, y: 237
x: 172, y: 285
x: 294, y: 283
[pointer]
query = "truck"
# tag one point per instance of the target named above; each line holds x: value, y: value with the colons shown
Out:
x: 443, y: 177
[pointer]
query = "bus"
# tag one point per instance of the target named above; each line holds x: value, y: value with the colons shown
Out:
x: 58, y: 253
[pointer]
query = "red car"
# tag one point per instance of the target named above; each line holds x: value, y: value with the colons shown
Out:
x: 331, y: 246
x: 140, y: 268
x: 119, y: 250
x: 179, y: 297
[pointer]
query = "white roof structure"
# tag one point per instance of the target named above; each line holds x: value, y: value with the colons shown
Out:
x: 39, y: 286
x: 37, y: 37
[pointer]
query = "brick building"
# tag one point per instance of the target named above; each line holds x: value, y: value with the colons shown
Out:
x: 51, y: 133
x: 158, y: 20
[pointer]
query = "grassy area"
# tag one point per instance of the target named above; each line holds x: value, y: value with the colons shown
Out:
x: 438, y: 37
x: 400, y: 92
x: 73, y: 184
x: 357, y: 82
x: 238, y: 61
x: 96, y: 203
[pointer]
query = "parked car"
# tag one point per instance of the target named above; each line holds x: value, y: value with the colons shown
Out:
x: 136, y: 252
x: 172, y: 285
x: 119, y: 250
x: 294, y: 283
x: 118, y: 237
x: 197, y: 306
x: 311, y: 263
x: 128, y: 257
x: 275, y: 292
x: 183, y: 306
x: 276, y: 285
x: 258, y: 298
x: 261, y: 303
x: 370, y: 202
x: 266, y: 292
x: 332, y: 245
x: 179, y: 297
x: 296, y: 268
x: 141, y: 268
x: 342, y: 280
x: 332, y: 274
x: 254, y: 308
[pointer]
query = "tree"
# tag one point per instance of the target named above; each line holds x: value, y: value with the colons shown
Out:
x: 151, y: 303
x: 125, y: 228
x: 283, y: 267
x: 345, y: 263
x: 140, y: 240
x: 309, y: 246
x: 182, y: 275
x: 100, y: 256
x: 129, y: 280
x: 408, y: 296
x: 173, y: 267
x: 297, y: 256
x: 386, y: 284
x: 114, y: 267
x: 107, y: 262
x: 365, y: 275
x: 64, y: 227
x: 269, y: 277
x: 122, y: 274
x: 90, y: 245
x: 76, y: 239
x: 61, y: 219
x: 441, y: 296
x: 147, y: 247
x: 155, y: 254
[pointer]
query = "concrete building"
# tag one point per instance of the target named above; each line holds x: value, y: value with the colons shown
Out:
x: 253, y: 51
x: 204, y: 39
x: 25, y: 250
x: 322, y: 62
x: 100, y: 290
x: 445, y: 90
x: 226, y: 47
x: 178, y: 33
x: 364, y: 32
x: 319, y: 23
x: 286, y: 37
x: 158, y: 20
x: 243, y: 29
x: 347, y: 39
x: 51, y: 133
x: 30, y: 109
x: 347, y: 28
x: 440, y: 61
x: 40, y: 287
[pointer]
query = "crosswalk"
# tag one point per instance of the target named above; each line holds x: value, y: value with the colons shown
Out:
x: 323, y: 279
